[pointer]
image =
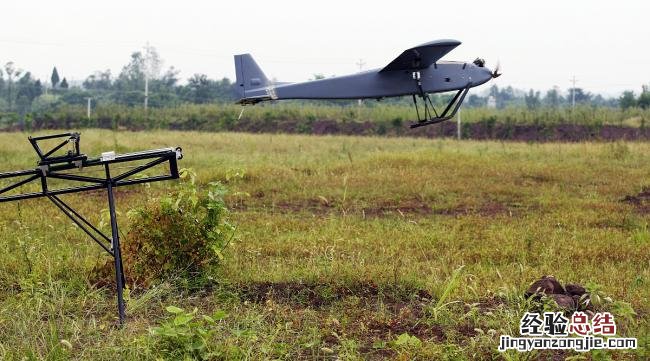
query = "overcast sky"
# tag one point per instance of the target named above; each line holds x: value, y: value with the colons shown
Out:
x: 540, y: 44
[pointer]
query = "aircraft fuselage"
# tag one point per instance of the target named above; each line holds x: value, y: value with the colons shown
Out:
x: 440, y: 77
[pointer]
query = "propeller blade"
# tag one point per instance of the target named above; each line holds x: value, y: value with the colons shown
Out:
x: 496, y: 72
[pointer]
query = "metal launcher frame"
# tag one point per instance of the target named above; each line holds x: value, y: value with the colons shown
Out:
x: 52, y: 166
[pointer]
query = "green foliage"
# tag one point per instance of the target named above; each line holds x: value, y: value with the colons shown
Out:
x: 54, y: 78
x: 644, y: 98
x: 450, y: 286
x: 532, y: 99
x: 179, y: 235
x: 627, y: 100
x: 407, y: 341
x: 185, y: 232
x: 186, y: 334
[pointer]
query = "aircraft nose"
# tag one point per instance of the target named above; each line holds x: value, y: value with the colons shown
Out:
x: 483, y: 75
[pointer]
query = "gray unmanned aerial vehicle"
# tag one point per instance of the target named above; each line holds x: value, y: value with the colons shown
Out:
x: 416, y: 72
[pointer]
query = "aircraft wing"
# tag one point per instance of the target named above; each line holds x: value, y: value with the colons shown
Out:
x: 421, y: 56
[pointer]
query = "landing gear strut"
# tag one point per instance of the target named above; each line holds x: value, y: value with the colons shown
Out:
x: 429, y: 118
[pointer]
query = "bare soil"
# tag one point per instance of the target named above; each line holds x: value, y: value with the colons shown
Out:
x: 640, y: 201
x: 406, y: 207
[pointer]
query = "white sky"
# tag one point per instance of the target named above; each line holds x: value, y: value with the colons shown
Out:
x: 539, y: 43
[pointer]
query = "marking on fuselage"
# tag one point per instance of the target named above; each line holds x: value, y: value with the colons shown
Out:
x: 270, y: 91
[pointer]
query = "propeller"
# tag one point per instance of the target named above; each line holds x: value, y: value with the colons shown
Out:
x: 495, y: 73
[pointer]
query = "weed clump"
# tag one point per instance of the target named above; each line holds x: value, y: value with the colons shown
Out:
x: 181, y: 235
x: 186, y: 336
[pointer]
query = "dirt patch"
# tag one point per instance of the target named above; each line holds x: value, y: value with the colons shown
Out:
x: 641, y: 201
x: 373, y: 315
x: 403, y: 310
x: 321, y: 294
x: 490, y: 304
x: 486, y: 210
x: 539, y: 178
x: 313, y: 206
x: 324, y: 207
x: 467, y: 330
x: 407, y: 207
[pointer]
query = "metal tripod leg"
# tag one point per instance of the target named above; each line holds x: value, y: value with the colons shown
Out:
x: 117, y: 255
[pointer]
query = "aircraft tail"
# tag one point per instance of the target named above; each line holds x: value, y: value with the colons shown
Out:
x: 249, y: 75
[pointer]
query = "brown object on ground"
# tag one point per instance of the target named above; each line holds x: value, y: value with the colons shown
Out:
x: 581, y: 304
x: 546, y: 285
x: 573, y: 297
x: 564, y: 302
x: 573, y: 289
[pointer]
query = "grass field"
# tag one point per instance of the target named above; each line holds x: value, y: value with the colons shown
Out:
x: 346, y: 248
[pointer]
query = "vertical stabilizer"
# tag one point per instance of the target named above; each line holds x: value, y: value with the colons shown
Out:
x: 249, y: 75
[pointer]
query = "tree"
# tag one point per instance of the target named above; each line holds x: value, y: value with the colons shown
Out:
x: 552, y: 98
x: 503, y: 96
x: 132, y: 75
x: 11, y: 71
x: 170, y: 78
x: 144, y: 66
x: 64, y: 84
x: 580, y: 95
x: 644, y: 98
x: 38, y: 88
x: 2, y: 84
x: 152, y: 63
x: 475, y: 101
x: 199, y: 89
x: 55, y: 77
x: 532, y: 99
x: 99, y: 81
x: 627, y: 100
x: 28, y: 88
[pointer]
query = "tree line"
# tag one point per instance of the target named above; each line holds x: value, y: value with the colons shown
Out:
x: 21, y: 92
x: 142, y: 80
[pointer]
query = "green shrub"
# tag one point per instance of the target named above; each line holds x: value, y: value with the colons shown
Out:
x: 185, y: 335
x: 181, y: 235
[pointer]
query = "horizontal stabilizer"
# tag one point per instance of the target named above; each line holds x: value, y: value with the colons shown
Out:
x: 421, y: 56
x: 253, y: 100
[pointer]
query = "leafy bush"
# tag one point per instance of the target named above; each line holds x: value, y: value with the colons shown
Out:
x: 180, y: 235
x: 186, y: 335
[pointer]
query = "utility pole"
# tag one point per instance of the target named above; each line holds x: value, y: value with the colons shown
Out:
x: 573, y: 92
x: 89, y: 99
x: 360, y: 64
x: 458, y: 127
